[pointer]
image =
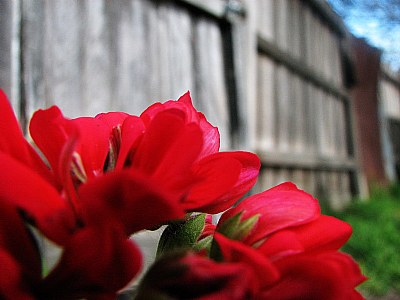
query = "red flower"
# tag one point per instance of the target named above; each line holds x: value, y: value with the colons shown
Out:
x: 284, y: 226
x: 48, y: 200
x: 171, y: 144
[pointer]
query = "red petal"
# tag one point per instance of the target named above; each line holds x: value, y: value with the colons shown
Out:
x: 11, y: 285
x: 13, y: 143
x: 279, y: 208
x: 185, y: 108
x: 327, y: 276
x: 12, y: 140
x: 112, y: 119
x: 39, y: 200
x: 325, y: 233
x: 93, y: 144
x: 210, y: 133
x: 226, y: 177
x: 168, y: 149
x: 50, y: 130
x: 281, y: 244
x: 131, y: 130
x: 216, y: 175
x: 160, y: 136
x: 19, y: 242
x: 96, y: 262
x: 129, y: 199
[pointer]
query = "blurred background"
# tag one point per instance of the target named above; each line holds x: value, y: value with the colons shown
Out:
x: 293, y: 80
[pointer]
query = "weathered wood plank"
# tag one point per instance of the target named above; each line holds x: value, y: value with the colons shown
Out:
x: 10, y: 53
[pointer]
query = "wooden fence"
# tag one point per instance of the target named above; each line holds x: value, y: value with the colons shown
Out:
x: 269, y: 74
x: 389, y: 96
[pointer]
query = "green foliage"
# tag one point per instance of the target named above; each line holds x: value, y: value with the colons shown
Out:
x: 375, y: 243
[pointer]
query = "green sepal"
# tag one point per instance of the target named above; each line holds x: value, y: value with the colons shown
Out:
x: 181, y: 235
x: 204, y: 244
x: 236, y: 229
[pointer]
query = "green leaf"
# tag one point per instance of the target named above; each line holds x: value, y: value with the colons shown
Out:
x: 181, y: 235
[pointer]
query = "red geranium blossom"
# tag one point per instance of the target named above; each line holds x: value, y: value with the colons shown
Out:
x: 301, y: 244
x: 170, y: 144
x: 98, y: 253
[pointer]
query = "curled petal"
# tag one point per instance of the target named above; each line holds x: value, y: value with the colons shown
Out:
x: 225, y: 178
x: 184, y: 107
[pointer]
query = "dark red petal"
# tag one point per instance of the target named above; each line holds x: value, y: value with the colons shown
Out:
x: 39, y: 200
x: 129, y: 199
x: 279, y: 208
x: 19, y: 242
x: 234, y: 251
x: 191, y: 276
x: 11, y: 283
x: 97, y: 261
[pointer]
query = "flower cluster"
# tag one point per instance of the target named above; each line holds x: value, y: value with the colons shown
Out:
x: 91, y: 182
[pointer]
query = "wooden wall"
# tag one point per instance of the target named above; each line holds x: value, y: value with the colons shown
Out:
x: 267, y: 73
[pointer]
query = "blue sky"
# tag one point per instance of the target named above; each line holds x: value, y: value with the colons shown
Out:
x: 371, y: 29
